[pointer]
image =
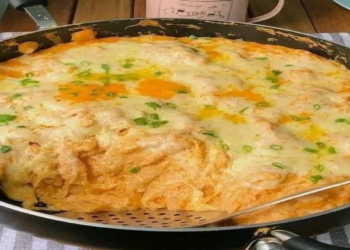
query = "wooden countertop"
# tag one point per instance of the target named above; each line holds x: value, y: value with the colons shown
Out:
x: 308, y: 16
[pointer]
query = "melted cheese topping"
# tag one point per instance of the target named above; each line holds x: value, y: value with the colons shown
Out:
x: 178, y: 123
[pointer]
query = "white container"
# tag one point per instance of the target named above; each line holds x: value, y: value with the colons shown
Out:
x: 227, y: 10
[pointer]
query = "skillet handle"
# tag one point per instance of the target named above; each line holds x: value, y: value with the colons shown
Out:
x: 21, y: 4
x: 300, y: 243
x: 36, y: 10
x: 291, y: 241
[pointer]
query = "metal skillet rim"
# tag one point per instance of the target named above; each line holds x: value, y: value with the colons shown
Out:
x: 179, y: 230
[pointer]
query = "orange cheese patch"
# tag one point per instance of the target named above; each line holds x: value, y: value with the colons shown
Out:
x: 83, y: 35
x: 89, y: 92
x: 28, y: 47
x: 247, y: 94
x: 160, y: 89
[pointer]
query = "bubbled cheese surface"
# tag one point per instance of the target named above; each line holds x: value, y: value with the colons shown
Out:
x: 178, y: 123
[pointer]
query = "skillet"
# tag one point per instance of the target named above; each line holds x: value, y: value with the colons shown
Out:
x: 95, y: 235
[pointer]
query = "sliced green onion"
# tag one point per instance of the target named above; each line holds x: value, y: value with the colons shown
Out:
x: 127, y: 65
x: 78, y: 82
x: 84, y: 73
x: 30, y: 82
x: 311, y: 150
x: 316, y: 106
x: 170, y: 105
x: 85, y: 63
x: 153, y: 105
x: 332, y: 150
x: 319, y: 167
x: 76, y: 94
x: 315, y: 178
x: 263, y: 104
x: 157, y: 73
x: 21, y: 126
x: 275, y: 86
x: 141, y: 121
x: 342, y: 120
x: 209, y: 133
x: 5, y: 149
x: 106, y: 68
x: 279, y: 165
x: 181, y: 91
x: 111, y: 94
x: 288, y: 65
x: 272, y: 79
x: 276, y: 147
x: 262, y: 58
x: 224, y: 146
x: 320, y: 144
x: 27, y: 107
x: 157, y: 124
x: 276, y: 72
x: 123, y: 96
x: 242, y: 110
x: 134, y: 170
x: 154, y: 116
x: 29, y: 74
x: 16, y: 96
x: 247, y: 148
x: 299, y: 118
x: 5, y: 119
x: 105, y: 80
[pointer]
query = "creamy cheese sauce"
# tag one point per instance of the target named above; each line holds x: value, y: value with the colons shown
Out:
x: 187, y: 123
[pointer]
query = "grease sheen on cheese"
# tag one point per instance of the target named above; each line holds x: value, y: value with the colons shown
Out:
x: 202, y: 120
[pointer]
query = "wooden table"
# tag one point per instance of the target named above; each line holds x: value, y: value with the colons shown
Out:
x: 302, y: 15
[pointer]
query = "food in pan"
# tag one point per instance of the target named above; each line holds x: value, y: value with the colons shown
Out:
x: 191, y: 123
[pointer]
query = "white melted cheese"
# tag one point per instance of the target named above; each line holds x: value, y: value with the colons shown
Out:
x: 269, y: 109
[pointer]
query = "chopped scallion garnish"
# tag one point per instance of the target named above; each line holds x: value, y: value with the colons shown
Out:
x: 224, y: 146
x: 276, y: 72
x: 311, y: 150
x: 153, y: 105
x: 157, y: 124
x: 319, y: 167
x: 181, y: 91
x: 242, y: 110
x: 141, y: 121
x: 279, y: 165
x: 134, y: 170
x: 106, y: 68
x: 127, y: 65
x: 5, y: 149
x: 209, y: 133
x: 315, y: 178
x: 170, y: 105
x: 5, y: 118
x: 84, y: 73
x: 320, y: 144
x: 263, y: 104
x: 154, y: 116
x: 85, y: 63
x: 247, y: 148
x: 276, y: 147
x: 157, y: 73
x: 29, y: 82
x: 316, y: 106
x: 262, y: 58
x: 27, y: 107
x: 275, y: 86
x: 332, y: 150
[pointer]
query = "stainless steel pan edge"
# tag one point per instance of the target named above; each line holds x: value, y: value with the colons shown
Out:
x: 203, y: 238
